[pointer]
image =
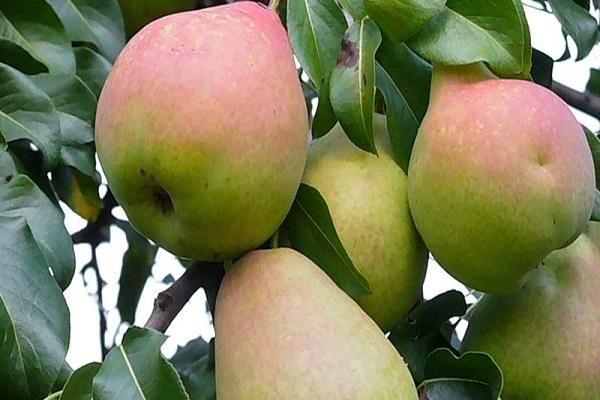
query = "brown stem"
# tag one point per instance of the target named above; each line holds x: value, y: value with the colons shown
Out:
x: 169, y: 302
x: 584, y: 101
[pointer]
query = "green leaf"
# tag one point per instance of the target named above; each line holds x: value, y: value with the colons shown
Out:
x: 34, y: 318
x: 426, y: 328
x: 38, y: 32
x: 315, y: 29
x: 196, y: 365
x: 17, y: 57
x: 442, y: 364
x: 593, y: 84
x: 455, y: 390
x: 79, y: 191
x: 63, y: 377
x: 97, y: 22
x: 136, y: 268
x: 404, y: 80
x: 542, y: 66
x: 20, y: 197
x: 79, y: 385
x: 478, y: 30
x: 596, y: 210
x: 594, y: 143
x: 356, y: 8
x: 26, y: 112
x: 312, y: 232
x: 577, y: 23
x: 92, y: 69
x: 401, y: 19
x: 352, y: 90
x: 137, y: 370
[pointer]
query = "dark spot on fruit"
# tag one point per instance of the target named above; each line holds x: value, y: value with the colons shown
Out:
x: 142, y: 172
x: 8, y: 178
x: 162, y: 200
x: 553, y: 221
x: 542, y: 159
x: 205, y: 185
x: 348, y: 54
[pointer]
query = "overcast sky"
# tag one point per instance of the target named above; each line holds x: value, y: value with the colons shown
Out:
x: 193, y: 319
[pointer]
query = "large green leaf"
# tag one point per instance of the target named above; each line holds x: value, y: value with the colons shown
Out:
x: 136, y: 268
x: 97, y: 22
x: 400, y: 19
x: 14, y: 55
x: 577, y: 23
x: 34, y: 26
x: 404, y: 80
x: 137, y: 370
x: 469, y: 31
x: 26, y: 112
x: 34, y: 319
x: 356, y: 8
x: 20, y: 197
x: 316, y: 28
x: 79, y: 385
x: 312, y: 232
x: 196, y: 364
x: 352, y: 90
x: 92, y: 69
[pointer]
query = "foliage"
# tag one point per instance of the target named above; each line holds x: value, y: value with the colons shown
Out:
x: 53, y: 64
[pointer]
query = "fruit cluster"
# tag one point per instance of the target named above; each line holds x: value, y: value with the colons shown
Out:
x: 202, y: 132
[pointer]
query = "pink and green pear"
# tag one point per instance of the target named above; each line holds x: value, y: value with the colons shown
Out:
x: 202, y: 130
x: 500, y: 175
x: 284, y: 330
x: 545, y: 336
x: 138, y: 13
x: 366, y: 197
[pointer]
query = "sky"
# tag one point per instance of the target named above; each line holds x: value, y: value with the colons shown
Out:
x: 193, y: 320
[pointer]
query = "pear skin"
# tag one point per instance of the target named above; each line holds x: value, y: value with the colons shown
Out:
x: 545, y: 336
x: 366, y: 197
x: 284, y: 330
x: 500, y: 175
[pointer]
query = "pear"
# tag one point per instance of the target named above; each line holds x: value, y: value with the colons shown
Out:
x: 284, y: 330
x: 138, y: 13
x: 366, y: 197
x: 545, y: 336
x: 500, y: 175
x: 202, y: 130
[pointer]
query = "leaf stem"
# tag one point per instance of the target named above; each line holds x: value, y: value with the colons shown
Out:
x: 54, y: 395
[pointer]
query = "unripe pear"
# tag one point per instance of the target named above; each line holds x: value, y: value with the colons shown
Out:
x: 137, y: 13
x: 500, y: 175
x: 202, y: 130
x: 545, y: 336
x: 284, y: 330
x: 366, y: 197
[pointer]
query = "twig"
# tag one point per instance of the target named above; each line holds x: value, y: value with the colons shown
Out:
x: 170, y: 302
x: 584, y: 101
x: 101, y: 310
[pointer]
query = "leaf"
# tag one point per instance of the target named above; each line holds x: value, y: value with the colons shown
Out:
x: 79, y: 385
x: 401, y: 19
x: 312, y: 232
x: 34, y: 318
x: 425, y: 329
x: 541, y: 68
x: 136, y: 268
x: 196, y: 365
x: 455, y: 390
x: 190, y: 353
x: 315, y: 29
x: 63, y: 376
x: 92, y: 69
x: 97, y: 22
x: 593, y: 83
x: 20, y: 197
x: 26, y: 112
x: 478, y: 30
x: 40, y: 33
x: 356, y: 8
x: 352, y: 90
x: 404, y: 80
x: 596, y: 209
x: 17, y: 57
x: 577, y: 23
x: 79, y: 191
x: 471, y: 367
x: 594, y: 143
x: 137, y: 370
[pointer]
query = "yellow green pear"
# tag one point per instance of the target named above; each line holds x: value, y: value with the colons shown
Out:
x: 284, y: 330
x: 367, y: 200
x: 545, y: 337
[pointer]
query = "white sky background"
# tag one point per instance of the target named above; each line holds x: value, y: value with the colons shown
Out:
x: 193, y: 319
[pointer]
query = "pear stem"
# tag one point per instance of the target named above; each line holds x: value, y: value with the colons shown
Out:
x: 274, y: 5
x: 169, y: 302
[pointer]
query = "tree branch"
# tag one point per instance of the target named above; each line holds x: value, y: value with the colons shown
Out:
x: 584, y: 101
x: 169, y: 302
